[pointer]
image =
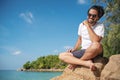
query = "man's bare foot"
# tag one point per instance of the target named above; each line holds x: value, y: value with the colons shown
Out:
x: 91, y: 65
x: 72, y: 66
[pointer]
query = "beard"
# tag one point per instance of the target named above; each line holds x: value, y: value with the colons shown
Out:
x: 91, y: 21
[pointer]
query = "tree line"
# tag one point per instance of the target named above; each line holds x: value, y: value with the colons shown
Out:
x: 45, y: 62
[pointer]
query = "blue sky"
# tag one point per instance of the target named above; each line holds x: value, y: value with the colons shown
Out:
x: 33, y: 28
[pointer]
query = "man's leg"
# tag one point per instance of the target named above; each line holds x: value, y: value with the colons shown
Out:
x: 90, y: 53
x: 70, y: 59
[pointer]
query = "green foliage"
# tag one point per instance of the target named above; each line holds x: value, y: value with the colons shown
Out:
x: 45, y: 62
x: 27, y: 65
x: 111, y: 42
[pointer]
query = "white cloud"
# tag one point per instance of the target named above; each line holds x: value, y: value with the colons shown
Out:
x: 11, y: 50
x: 28, y: 17
x: 81, y: 1
x: 17, y: 52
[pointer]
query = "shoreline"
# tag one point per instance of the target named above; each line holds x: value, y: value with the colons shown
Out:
x: 41, y: 70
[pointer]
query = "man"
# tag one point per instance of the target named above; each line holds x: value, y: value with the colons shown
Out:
x: 90, y: 34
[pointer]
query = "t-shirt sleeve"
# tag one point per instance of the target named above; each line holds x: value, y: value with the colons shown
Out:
x: 100, y: 30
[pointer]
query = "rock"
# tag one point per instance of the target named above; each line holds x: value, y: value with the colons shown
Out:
x: 21, y: 69
x: 112, y: 69
x: 83, y: 73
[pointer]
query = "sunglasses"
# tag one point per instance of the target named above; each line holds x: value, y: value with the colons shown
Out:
x: 93, y: 15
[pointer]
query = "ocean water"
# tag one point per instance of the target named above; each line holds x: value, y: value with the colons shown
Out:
x: 21, y: 75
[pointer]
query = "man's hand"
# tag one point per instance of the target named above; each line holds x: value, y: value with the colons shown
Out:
x: 86, y: 23
x: 70, y: 50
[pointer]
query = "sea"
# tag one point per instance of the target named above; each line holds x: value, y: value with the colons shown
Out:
x: 22, y: 75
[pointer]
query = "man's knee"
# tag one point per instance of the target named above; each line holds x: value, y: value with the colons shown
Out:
x: 92, y: 51
x: 62, y: 56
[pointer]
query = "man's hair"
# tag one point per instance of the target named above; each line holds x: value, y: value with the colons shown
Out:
x: 99, y: 9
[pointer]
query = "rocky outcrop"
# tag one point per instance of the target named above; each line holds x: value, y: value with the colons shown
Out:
x: 109, y: 71
x: 112, y: 70
x: 84, y: 73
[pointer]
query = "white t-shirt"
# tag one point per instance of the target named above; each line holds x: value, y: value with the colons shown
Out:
x: 98, y: 28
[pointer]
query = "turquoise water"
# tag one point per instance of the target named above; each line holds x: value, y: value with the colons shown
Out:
x: 20, y: 75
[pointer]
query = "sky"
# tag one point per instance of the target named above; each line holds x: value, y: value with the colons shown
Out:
x: 33, y: 28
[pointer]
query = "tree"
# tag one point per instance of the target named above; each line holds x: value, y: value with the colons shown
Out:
x: 111, y: 42
x: 27, y: 65
x: 45, y: 62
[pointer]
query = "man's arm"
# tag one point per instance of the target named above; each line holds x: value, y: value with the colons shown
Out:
x: 93, y: 36
x: 78, y: 43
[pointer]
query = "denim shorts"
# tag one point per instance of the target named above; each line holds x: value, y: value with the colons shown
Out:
x: 78, y: 53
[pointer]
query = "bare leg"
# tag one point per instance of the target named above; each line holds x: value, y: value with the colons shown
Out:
x: 90, y: 53
x: 69, y: 58
x: 66, y: 57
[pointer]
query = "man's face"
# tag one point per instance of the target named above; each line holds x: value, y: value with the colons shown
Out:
x: 92, y: 16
